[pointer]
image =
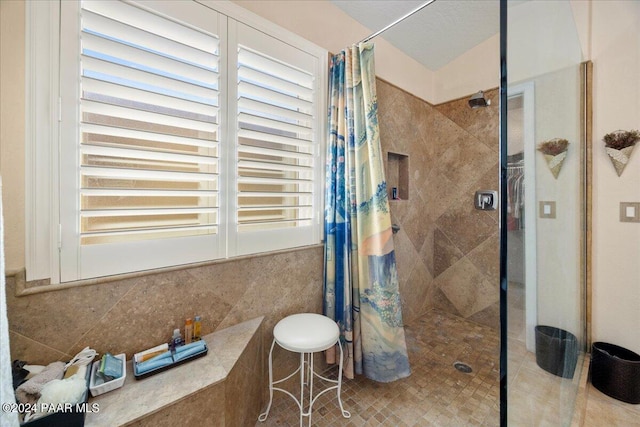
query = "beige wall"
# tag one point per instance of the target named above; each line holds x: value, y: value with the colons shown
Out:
x: 616, y: 245
x: 476, y: 69
x: 12, y: 105
x: 542, y: 38
x: 323, y: 23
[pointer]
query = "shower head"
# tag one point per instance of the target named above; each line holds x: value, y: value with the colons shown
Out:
x: 478, y: 100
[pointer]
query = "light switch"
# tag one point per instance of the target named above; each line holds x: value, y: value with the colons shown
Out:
x: 547, y: 209
x: 629, y: 211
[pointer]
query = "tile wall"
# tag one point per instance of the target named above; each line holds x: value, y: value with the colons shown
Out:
x: 130, y: 315
x: 447, y: 252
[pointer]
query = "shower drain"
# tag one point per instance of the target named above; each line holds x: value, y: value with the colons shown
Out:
x: 463, y: 367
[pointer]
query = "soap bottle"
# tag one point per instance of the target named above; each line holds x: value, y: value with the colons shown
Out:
x: 197, y: 328
x: 188, y: 331
x: 176, y: 340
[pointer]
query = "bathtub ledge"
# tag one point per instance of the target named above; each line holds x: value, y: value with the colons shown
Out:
x: 172, y: 393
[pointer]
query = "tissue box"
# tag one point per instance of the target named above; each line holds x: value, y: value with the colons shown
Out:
x: 98, y: 389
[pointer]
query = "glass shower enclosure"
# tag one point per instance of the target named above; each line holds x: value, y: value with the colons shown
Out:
x: 544, y: 172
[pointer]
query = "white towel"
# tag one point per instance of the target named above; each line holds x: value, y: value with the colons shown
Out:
x: 7, y: 419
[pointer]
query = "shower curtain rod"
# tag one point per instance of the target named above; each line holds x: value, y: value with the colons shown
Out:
x: 397, y: 21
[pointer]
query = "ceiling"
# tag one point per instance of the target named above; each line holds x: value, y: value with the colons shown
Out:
x: 433, y: 36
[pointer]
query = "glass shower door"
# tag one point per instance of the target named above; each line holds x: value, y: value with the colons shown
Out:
x: 544, y: 221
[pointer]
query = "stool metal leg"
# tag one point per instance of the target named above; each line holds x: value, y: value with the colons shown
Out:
x: 302, y: 371
x: 345, y: 414
x: 308, y: 372
x: 311, y: 400
x: 337, y: 387
x: 265, y: 414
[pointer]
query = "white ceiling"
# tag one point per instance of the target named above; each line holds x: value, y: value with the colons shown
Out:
x: 433, y: 36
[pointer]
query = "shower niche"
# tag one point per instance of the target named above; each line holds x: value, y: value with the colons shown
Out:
x: 397, y: 176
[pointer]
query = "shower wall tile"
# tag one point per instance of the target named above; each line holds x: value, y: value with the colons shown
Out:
x: 442, y: 193
x: 42, y: 354
x: 443, y: 134
x: 418, y: 290
x: 415, y: 222
x: 481, y: 122
x: 32, y: 316
x: 441, y: 302
x: 467, y: 289
x: 465, y: 226
x: 403, y: 120
x: 490, y: 316
x: 465, y: 243
x: 127, y: 316
x: 399, y: 209
x: 452, y: 151
x: 445, y: 254
x: 427, y: 250
x: 406, y: 254
x: 486, y: 258
x: 467, y: 161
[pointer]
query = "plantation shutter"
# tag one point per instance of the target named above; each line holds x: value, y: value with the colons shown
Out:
x: 276, y: 139
x: 149, y: 136
x: 185, y: 136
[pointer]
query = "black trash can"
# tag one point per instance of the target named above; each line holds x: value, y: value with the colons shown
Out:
x: 556, y: 351
x: 615, y: 371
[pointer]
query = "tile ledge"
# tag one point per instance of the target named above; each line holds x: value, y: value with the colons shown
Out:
x: 24, y: 287
x: 138, y: 399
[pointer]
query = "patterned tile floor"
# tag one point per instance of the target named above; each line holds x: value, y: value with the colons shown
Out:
x: 435, y: 394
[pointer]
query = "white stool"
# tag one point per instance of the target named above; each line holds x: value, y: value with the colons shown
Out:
x: 305, y: 333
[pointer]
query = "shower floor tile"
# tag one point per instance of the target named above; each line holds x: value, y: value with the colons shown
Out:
x: 436, y: 394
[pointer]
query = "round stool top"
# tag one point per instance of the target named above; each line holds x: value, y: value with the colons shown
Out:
x: 306, y: 332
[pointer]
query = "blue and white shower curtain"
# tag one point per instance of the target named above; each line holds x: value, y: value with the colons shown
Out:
x: 361, y: 279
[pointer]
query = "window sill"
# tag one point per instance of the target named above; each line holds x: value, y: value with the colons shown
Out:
x: 24, y: 288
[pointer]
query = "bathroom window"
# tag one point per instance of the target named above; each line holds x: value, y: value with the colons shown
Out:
x: 185, y: 136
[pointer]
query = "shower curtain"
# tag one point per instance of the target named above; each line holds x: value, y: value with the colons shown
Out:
x: 360, y: 279
x: 7, y: 418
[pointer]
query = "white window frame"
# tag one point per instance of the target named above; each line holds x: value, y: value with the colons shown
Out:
x: 44, y: 236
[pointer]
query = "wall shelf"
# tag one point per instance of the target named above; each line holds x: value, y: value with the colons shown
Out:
x: 397, y: 176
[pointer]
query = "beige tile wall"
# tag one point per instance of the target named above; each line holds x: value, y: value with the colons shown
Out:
x: 130, y: 315
x: 447, y: 252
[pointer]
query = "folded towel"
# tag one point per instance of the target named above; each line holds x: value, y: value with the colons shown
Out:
x: 150, y: 365
x: 29, y: 391
x: 188, y: 352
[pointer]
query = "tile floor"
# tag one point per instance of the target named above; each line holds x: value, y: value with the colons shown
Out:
x: 603, y: 410
x: 438, y: 395
x: 537, y: 398
x: 435, y: 394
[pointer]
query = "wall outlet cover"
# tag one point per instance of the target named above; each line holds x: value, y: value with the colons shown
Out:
x: 629, y: 211
x: 547, y: 209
